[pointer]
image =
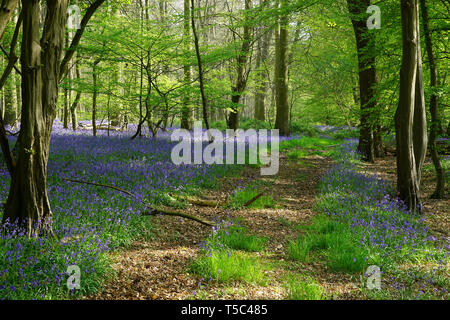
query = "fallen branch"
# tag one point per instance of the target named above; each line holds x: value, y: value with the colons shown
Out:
x: 153, y: 210
x: 200, y: 202
x: 249, y: 202
x: 158, y: 210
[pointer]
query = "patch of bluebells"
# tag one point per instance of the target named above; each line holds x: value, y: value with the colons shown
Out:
x: 89, y: 220
x: 376, y: 216
x: 214, y: 242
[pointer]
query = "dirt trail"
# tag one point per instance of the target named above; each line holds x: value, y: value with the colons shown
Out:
x: 158, y: 269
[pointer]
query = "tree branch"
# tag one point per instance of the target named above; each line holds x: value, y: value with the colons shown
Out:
x: 153, y: 210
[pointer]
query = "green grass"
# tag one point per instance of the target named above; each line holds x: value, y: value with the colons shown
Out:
x: 225, y: 265
x: 297, y: 154
x: 334, y: 242
x: 303, y: 288
x: 237, y: 237
x: 244, y: 194
x: 307, y: 143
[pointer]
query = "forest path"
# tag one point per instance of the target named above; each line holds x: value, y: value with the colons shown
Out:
x: 159, y: 268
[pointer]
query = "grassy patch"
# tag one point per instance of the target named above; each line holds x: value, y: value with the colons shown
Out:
x: 297, y: 154
x: 243, y: 195
x: 332, y: 241
x: 225, y: 265
x: 307, y: 143
x: 237, y: 237
x: 303, y: 288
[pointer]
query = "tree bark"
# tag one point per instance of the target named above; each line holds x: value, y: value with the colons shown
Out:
x: 434, y: 111
x: 242, y: 72
x: 186, y: 112
x: 28, y: 202
x: 408, y: 181
x: 200, y: 67
x: 94, y: 97
x: 261, y: 87
x: 367, y: 78
x: 7, y: 8
x: 282, y: 74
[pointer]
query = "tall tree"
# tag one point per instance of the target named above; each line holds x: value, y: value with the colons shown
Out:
x: 200, y: 67
x: 241, y: 69
x: 434, y: 111
x: 282, y: 73
x: 409, y: 127
x: 42, y: 71
x: 261, y: 86
x: 186, y: 112
x: 367, y: 76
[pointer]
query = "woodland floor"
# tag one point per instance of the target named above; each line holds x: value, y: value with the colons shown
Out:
x: 159, y: 268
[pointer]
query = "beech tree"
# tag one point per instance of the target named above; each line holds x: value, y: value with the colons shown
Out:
x: 439, y: 191
x: 410, y: 121
x: 367, y: 76
x: 281, y: 73
x: 42, y: 69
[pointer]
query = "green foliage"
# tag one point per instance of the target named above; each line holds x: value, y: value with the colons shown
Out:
x: 302, y: 128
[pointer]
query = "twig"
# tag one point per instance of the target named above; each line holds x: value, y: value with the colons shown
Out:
x: 249, y: 202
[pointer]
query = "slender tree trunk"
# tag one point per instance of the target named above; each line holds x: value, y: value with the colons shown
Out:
x: 261, y: 87
x: 434, y: 111
x: 66, y: 94
x: 76, y: 102
x: 94, y: 98
x: 408, y: 180
x: 186, y: 112
x: 200, y: 67
x: 282, y: 74
x: 367, y: 79
x: 10, y: 116
x: 241, y: 80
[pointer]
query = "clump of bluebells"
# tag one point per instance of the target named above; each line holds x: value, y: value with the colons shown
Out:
x: 377, y: 218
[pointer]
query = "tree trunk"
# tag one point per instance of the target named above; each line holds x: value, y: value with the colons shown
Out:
x: 261, y: 87
x: 10, y: 101
x: 241, y: 80
x: 7, y: 8
x: 200, y: 67
x: 186, y: 112
x: 367, y: 80
x: 76, y: 102
x: 407, y: 178
x: 434, y: 111
x: 28, y: 202
x: 281, y: 75
x: 94, y: 98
